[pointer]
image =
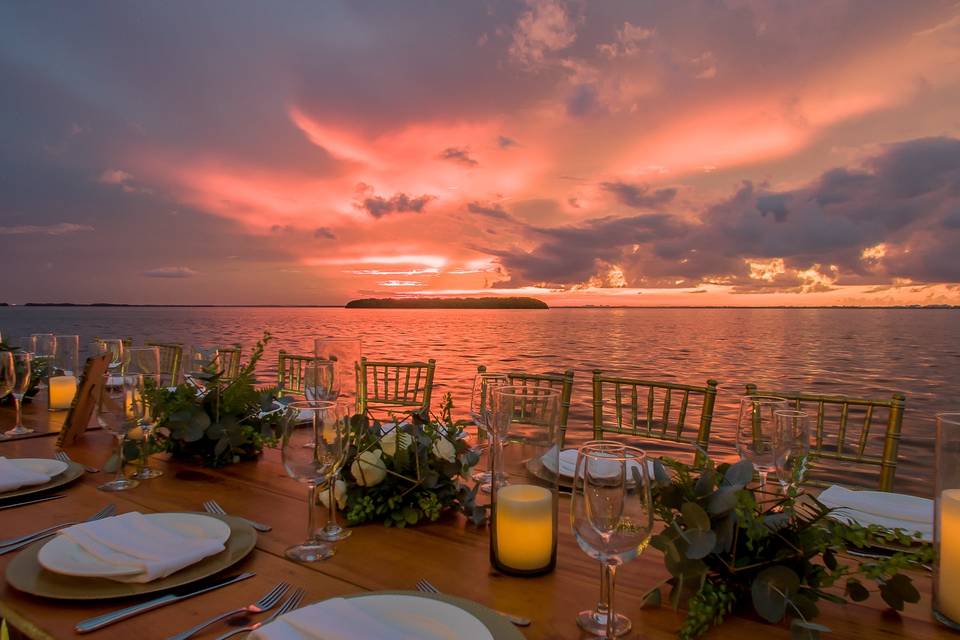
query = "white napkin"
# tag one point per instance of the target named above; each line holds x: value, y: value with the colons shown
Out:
x: 890, y: 510
x: 13, y: 476
x: 568, y: 463
x: 340, y: 619
x: 132, y: 541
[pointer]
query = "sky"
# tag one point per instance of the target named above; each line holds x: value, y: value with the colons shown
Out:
x: 722, y: 152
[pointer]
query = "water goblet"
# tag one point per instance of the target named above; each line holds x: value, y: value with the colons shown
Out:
x: 314, y: 446
x: 481, y: 401
x: 118, y: 356
x: 320, y: 380
x: 44, y: 351
x: 756, y: 427
x: 346, y: 353
x: 144, y: 365
x: 791, y: 444
x: 115, y: 415
x: 21, y: 383
x: 611, y: 514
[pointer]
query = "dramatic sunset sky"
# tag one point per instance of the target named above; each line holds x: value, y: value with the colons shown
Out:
x: 638, y: 153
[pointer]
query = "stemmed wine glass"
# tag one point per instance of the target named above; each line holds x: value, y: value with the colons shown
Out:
x: 115, y: 415
x: 21, y: 383
x: 791, y: 444
x: 313, y: 451
x: 118, y: 356
x: 346, y: 353
x: 320, y: 380
x: 755, y: 432
x: 481, y: 402
x: 44, y: 351
x: 144, y: 366
x: 8, y: 376
x: 611, y: 513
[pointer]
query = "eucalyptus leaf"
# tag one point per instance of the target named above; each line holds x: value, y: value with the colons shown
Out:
x: 700, y: 544
x: 694, y: 516
x: 222, y: 445
x: 651, y: 599
x: 856, y: 591
x: 770, y: 591
x: 660, y: 473
x: 739, y: 474
x: 804, y: 630
x: 705, y: 483
x: 723, y: 500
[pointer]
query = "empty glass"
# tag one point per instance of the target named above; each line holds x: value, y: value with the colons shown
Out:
x: 756, y: 427
x: 118, y: 355
x: 143, y: 364
x: 21, y: 382
x: 44, y: 350
x: 115, y: 415
x: 320, y: 381
x: 346, y: 353
x: 314, y: 445
x: 8, y: 375
x: 66, y: 359
x: 611, y: 514
x: 480, y: 406
x: 25, y: 343
x: 791, y: 444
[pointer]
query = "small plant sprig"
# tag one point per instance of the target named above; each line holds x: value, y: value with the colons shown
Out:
x: 727, y: 544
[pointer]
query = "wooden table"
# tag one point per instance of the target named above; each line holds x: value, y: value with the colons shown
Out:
x: 451, y: 553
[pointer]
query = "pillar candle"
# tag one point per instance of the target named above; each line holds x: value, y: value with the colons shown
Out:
x: 948, y: 579
x: 62, y: 390
x: 524, y: 522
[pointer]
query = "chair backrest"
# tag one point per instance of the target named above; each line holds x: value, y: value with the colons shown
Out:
x: 850, y: 442
x: 228, y: 361
x: 291, y: 372
x: 403, y: 386
x: 171, y: 359
x: 562, y: 381
x: 631, y: 408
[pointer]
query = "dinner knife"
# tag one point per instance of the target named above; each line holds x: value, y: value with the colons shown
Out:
x: 176, y: 595
x: 34, y: 501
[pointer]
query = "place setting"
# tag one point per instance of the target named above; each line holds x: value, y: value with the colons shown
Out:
x: 24, y: 480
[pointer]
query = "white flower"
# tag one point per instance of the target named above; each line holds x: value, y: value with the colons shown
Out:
x: 368, y: 469
x: 339, y: 493
x: 389, y: 441
x: 444, y: 449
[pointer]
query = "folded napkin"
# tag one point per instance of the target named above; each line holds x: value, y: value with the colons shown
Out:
x: 13, y: 475
x: 131, y: 541
x: 568, y: 463
x: 341, y: 619
x: 890, y: 510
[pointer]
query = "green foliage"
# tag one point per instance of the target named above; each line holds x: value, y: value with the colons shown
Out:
x: 727, y: 544
x: 419, y: 483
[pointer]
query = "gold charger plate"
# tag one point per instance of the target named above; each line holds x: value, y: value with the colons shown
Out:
x: 71, y: 473
x: 498, y: 626
x: 25, y: 573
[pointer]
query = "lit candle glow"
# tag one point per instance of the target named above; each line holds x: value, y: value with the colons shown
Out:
x: 62, y: 390
x: 948, y: 580
x: 524, y: 523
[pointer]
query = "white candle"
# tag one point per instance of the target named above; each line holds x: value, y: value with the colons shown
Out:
x: 524, y: 522
x: 62, y: 390
x: 948, y: 585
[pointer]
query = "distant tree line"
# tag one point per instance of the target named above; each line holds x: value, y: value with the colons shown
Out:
x: 448, y: 303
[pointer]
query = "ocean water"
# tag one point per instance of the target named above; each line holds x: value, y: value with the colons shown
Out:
x: 861, y: 352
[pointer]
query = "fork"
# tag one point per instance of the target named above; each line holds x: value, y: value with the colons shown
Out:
x: 293, y: 602
x: 267, y: 602
x: 424, y: 586
x: 211, y: 506
x: 6, y: 546
x: 62, y: 456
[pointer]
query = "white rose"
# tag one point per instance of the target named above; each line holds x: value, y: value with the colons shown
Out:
x: 389, y: 441
x: 444, y: 449
x: 368, y: 469
x: 339, y: 494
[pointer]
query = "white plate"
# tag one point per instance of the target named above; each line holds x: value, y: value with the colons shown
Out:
x: 401, y: 616
x: 68, y: 558
x: 45, y: 466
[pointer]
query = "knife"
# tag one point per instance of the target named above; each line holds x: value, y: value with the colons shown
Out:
x: 34, y: 501
x: 176, y: 595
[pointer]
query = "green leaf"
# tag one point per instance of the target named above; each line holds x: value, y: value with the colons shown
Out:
x: 830, y: 559
x: 904, y: 587
x: 739, y: 474
x: 700, y: 543
x: 660, y: 473
x: 694, y: 517
x: 804, y: 630
x: 723, y: 500
x: 770, y: 591
x: 222, y: 445
x: 806, y: 604
x: 705, y: 483
x: 651, y: 599
x: 856, y: 591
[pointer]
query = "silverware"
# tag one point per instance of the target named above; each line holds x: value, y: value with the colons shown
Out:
x: 426, y: 587
x: 293, y: 602
x: 178, y: 594
x: 12, y: 544
x: 62, y: 456
x: 211, y: 506
x: 267, y: 602
x: 55, y: 496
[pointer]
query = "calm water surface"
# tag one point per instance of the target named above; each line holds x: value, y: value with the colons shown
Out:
x: 867, y: 353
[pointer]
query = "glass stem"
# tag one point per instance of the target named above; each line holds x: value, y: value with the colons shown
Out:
x: 494, y: 460
x: 601, y: 613
x: 144, y: 446
x: 119, y: 474
x: 17, y: 401
x: 763, y: 478
x: 608, y: 582
x: 331, y: 500
x: 311, y: 510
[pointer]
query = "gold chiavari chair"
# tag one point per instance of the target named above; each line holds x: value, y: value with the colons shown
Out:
x: 562, y: 381
x: 645, y: 409
x: 171, y: 359
x: 228, y: 361
x: 291, y: 372
x: 849, y: 443
x: 404, y: 387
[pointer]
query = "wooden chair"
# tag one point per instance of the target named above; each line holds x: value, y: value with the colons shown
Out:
x: 562, y: 381
x: 228, y: 361
x: 291, y: 372
x: 171, y: 359
x: 835, y: 445
x: 633, y: 407
x: 404, y: 387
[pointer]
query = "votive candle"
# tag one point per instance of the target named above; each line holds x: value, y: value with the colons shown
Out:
x: 524, y: 524
x: 948, y: 577
x: 62, y: 389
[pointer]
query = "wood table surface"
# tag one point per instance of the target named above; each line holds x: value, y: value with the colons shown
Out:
x: 451, y: 553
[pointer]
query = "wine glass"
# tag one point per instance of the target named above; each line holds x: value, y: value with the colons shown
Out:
x: 480, y: 407
x: 755, y: 431
x: 25, y: 343
x: 611, y: 514
x: 8, y: 375
x: 320, y: 380
x: 44, y: 351
x: 115, y: 415
x: 21, y: 383
x: 144, y: 366
x: 66, y: 361
x: 313, y: 451
x: 791, y: 444
x: 118, y: 356
x: 346, y: 353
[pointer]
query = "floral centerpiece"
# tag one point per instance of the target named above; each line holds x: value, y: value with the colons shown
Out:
x: 407, y: 470
x: 728, y: 546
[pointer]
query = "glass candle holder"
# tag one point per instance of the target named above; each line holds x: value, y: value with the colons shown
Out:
x: 946, y: 537
x: 64, y: 373
x: 525, y: 490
